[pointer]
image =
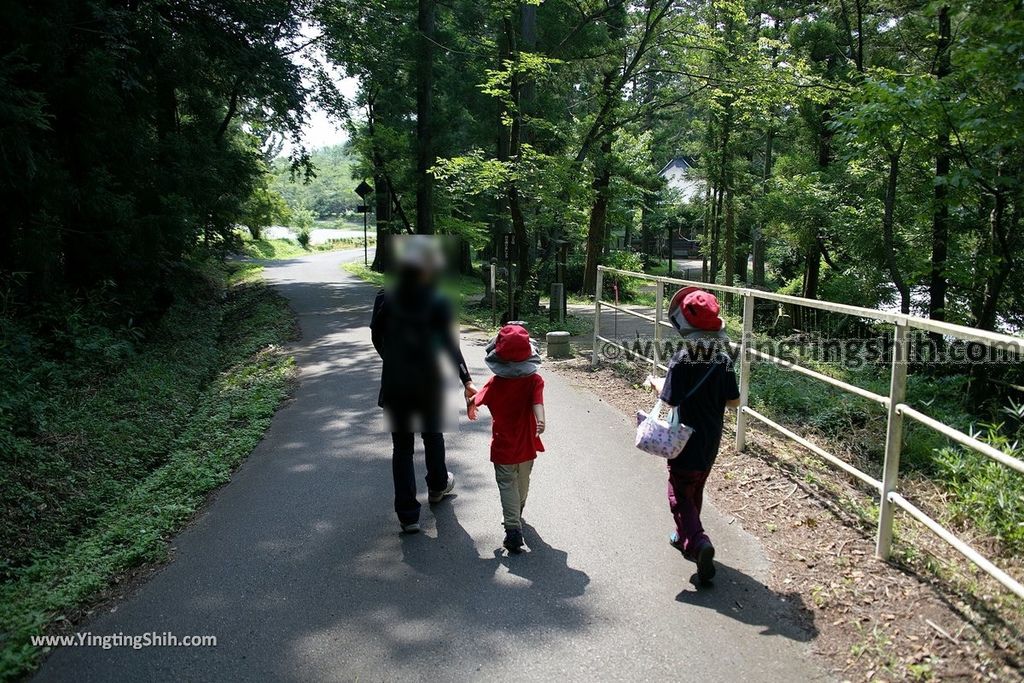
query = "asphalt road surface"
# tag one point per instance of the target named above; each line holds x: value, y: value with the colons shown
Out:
x: 298, y: 569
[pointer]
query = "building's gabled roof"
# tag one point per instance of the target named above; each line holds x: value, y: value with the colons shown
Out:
x: 682, y: 162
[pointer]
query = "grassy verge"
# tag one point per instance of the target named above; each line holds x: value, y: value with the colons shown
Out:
x: 283, y: 249
x: 124, y: 452
x: 961, y: 488
x: 364, y: 273
x: 467, y: 292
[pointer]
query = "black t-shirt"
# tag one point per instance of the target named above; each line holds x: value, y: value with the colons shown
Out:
x: 705, y: 409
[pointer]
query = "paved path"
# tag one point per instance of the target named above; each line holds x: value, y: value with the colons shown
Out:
x: 616, y: 325
x: 297, y: 568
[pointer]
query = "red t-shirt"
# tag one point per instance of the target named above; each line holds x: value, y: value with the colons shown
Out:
x: 513, y: 425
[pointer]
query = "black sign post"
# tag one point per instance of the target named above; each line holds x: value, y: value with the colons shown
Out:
x: 671, y: 248
x: 510, y: 244
x: 362, y: 190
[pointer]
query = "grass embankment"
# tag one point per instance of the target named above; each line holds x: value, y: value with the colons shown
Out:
x: 467, y: 292
x: 964, y: 489
x: 975, y: 496
x: 111, y: 441
x: 284, y: 249
x: 980, y: 500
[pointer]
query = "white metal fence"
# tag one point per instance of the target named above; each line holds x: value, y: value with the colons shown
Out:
x: 894, y: 403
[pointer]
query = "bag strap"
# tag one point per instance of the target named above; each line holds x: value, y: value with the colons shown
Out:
x: 674, y: 413
x: 674, y: 419
x: 703, y: 379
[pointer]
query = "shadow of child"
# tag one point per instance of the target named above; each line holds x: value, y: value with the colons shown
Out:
x: 546, y: 567
x: 747, y: 600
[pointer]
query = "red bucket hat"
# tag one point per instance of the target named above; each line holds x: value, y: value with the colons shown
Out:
x: 513, y: 345
x: 692, y: 310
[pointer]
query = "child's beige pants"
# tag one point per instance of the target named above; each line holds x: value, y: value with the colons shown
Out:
x: 513, y: 485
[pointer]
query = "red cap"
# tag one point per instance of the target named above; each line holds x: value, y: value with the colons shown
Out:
x: 513, y: 344
x: 699, y: 310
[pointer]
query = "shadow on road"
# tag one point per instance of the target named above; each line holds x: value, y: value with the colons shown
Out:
x: 299, y: 570
x: 546, y: 568
x: 743, y: 598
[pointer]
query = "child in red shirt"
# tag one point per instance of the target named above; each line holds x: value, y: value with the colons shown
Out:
x: 515, y: 397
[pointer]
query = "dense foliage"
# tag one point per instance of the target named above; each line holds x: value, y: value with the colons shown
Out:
x: 122, y: 144
x: 863, y: 151
x: 328, y: 191
x: 849, y: 150
x: 853, y: 150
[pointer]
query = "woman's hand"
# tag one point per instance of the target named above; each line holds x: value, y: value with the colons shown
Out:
x: 470, y: 391
x: 655, y: 383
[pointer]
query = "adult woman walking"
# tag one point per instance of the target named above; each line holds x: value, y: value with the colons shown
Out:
x: 411, y: 328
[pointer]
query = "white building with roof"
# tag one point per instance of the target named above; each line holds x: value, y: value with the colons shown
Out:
x: 679, y: 177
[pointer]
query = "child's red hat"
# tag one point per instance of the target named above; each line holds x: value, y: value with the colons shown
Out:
x: 513, y: 345
x: 693, y: 309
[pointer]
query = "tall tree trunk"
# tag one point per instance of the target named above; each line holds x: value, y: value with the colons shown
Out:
x: 501, y: 223
x: 812, y: 268
x: 598, y: 215
x: 524, y: 94
x: 716, y: 232
x: 940, y: 217
x: 528, y: 88
x: 515, y: 143
x: 725, y: 186
x: 382, y: 199
x: 758, y: 245
x: 1002, y: 242
x: 888, y: 229
x: 705, y: 266
x: 730, y: 241
x: 425, y: 21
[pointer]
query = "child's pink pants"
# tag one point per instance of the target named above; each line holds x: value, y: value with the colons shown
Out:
x: 685, y: 497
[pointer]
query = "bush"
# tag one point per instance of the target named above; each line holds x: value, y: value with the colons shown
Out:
x: 984, y: 492
x: 303, y: 238
x: 629, y: 287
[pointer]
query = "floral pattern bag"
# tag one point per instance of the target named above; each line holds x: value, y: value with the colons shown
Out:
x: 663, y: 438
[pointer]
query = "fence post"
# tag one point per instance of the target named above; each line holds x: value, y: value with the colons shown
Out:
x: 893, y: 438
x: 745, y: 340
x: 597, y: 317
x: 659, y: 301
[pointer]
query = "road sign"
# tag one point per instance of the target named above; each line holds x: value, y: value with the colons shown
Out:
x: 362, y: 190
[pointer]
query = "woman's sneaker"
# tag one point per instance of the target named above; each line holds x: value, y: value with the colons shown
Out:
x: 438, y: 496
x: 513, y: 540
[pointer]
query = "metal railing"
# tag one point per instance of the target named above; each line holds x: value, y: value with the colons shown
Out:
x: 889, y: 497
